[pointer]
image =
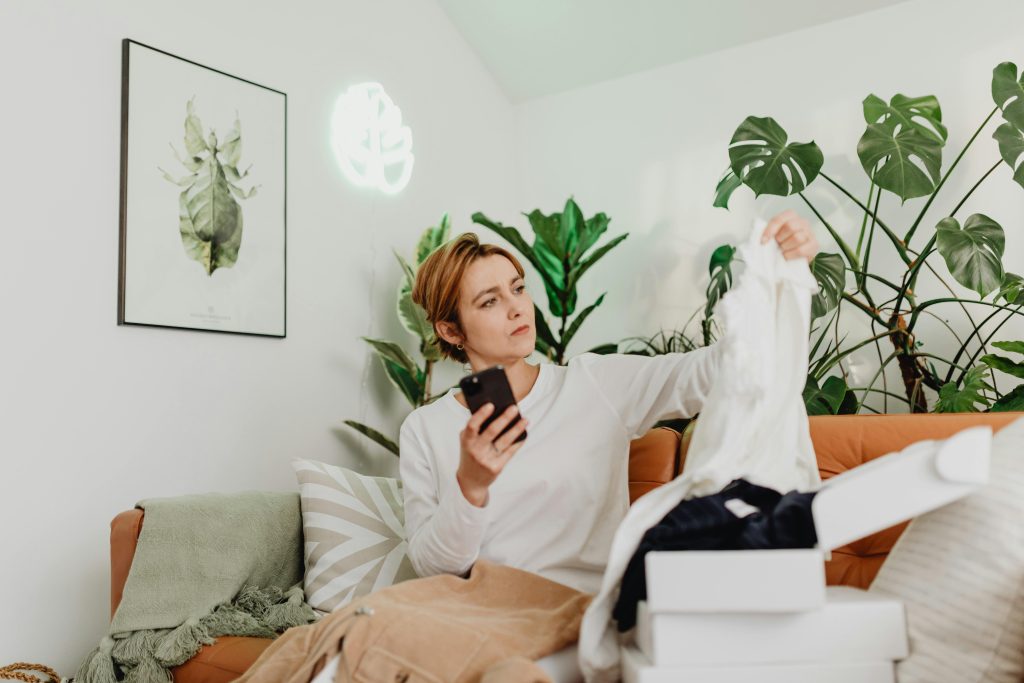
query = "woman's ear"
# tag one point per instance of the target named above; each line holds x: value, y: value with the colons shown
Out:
x: 448, y: 332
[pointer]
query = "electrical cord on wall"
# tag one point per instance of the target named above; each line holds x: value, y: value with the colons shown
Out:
x: 363, y: 397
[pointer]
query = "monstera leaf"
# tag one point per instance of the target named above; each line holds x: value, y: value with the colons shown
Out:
x: 831, y: 398
x: 720, y: 269
x: 1008, y: 93
x: 1011, y: 149
x: 762, y: 159
x: 830, y: 272
x: 965, y: 399
x: 1010, y: 289
x: 973, y: 255
x: 209, y: 215
x: 726, y: 186
x: 901, y: 149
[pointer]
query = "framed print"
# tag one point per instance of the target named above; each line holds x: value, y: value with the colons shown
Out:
x: 203, y: 197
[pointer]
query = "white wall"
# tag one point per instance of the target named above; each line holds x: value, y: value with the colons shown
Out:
x: 95, y: 416
x: 648, y: 149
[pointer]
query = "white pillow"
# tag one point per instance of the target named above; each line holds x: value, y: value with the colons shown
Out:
x: 960, y: 572
x: 354, y: 532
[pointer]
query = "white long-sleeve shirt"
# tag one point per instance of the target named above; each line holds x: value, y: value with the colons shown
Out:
x: 554, y: 508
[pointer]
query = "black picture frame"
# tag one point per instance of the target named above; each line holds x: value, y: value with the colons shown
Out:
x: 223, y: 274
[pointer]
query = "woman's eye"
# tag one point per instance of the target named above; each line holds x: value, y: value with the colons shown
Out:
x: 489, y: 302
x: 521, y: 288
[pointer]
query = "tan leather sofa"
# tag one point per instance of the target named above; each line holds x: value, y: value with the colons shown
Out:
x: 841, y: 443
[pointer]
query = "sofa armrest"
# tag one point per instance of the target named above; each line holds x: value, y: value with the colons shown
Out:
x: 124, y: 537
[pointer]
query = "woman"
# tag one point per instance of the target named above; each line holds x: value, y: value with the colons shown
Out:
x: 549, y: 504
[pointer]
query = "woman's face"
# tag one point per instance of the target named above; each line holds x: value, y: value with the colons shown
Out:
x: 496, y: 312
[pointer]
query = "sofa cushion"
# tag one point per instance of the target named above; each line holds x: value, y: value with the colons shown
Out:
x: 960, y: 572
x: 224, y: 661
x: 353, y: 526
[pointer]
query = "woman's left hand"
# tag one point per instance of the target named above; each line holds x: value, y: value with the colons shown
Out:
x: 793, y: 233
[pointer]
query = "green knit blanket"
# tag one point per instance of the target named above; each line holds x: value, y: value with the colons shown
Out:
x: 205, y: 566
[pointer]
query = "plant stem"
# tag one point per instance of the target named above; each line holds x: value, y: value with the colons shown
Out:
x: 850, y: 256
x: 843, y: 354
x: 935, y: 192
x: 864, y: 307
x: 896, y: 241
x: 881, y: 369
x: 984, y: 342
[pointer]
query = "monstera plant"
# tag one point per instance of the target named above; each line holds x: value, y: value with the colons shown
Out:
x: 209, y: 215
x: 559, y: 254
x: 411, y: 379
x: 901, y: 151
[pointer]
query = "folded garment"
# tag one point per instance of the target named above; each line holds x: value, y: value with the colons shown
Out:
x: 742, y: 516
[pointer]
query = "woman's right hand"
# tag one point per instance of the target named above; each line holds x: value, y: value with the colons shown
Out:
x: 484, y: 455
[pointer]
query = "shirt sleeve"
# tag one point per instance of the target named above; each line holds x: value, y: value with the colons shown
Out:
x: 643, y: 390
x: 443, y: 529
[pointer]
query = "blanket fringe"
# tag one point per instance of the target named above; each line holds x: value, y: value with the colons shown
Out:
x: 146, y: 656
x: 98, y: 666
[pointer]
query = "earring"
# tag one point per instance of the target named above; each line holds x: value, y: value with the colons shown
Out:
x: 458, y: 346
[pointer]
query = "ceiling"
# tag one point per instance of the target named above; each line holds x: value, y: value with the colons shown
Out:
x: 540, y: 47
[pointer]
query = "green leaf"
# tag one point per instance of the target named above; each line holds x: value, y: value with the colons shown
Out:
x: 512, y: 236
x: 409, y: 383
x: 593, y: 228
x: 553, y: 276
x: 392, y: 352
x: 760, y: 156
x: 973, y: 255
x: 544, y: 333
x: 578, y: 320
x: 720, y: 269
x: 1010, y: 402
x: 570, y: 225
x: 432, y: 238
x: 373, y: 435
x: 819, y: 402
x: 901, y: 148
x: 922, y: 114
x: 1011, y: 346
x: 583, y: 266
x: 1008, y: 93
x: 1010, y: 288
x: 412, y: 316
x: 1003, y: 364
x: 605, y: 349
x: 1011, y: 149
x: 830, y: 272
x: 546, y: 228
x: 967, y: 398
x: 726, y: 186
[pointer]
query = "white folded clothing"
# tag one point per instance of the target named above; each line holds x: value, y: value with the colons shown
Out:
x: 853, y: 626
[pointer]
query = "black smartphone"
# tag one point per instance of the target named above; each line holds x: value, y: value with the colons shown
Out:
x: 490, y: 386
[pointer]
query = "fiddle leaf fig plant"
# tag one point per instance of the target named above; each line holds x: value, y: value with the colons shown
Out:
x: 559, y: 254
x: 901, y: 152
x: 411, y: 379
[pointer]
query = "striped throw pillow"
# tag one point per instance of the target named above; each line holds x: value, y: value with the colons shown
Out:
x: 960, y: 572
x: 353, y: 526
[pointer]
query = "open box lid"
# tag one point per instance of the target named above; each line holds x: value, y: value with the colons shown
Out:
x: 899, y: 486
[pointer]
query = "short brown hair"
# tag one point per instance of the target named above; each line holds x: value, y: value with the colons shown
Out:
x: 439, y: 279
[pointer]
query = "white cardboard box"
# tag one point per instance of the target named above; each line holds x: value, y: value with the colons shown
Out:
x: 878, y: 494
x: 853, y: 626
x: 637, y: 669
